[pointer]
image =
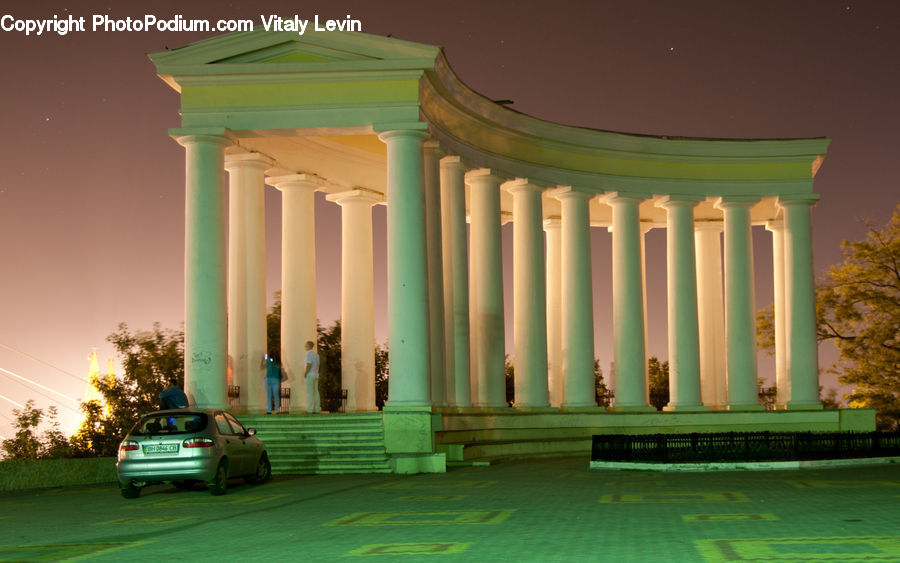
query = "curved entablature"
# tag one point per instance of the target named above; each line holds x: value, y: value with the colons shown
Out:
x: 314, y: 104
x: 490, y: 135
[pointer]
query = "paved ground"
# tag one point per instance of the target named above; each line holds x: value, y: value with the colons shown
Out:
x: 549, y: 510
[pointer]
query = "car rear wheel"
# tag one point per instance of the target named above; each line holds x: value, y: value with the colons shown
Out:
x: 130, y: 491
x: 219, y: 484
x: 263, y: 471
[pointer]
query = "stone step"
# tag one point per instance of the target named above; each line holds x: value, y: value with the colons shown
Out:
x: 331, y: 471
x: 314, y: 453
x: 302, y: 439
x: 310, y: 420
x: 313, y: 444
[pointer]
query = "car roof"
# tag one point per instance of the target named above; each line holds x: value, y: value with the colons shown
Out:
x: 182, y: 411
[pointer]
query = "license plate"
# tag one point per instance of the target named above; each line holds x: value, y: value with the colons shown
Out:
x: 161, y: 449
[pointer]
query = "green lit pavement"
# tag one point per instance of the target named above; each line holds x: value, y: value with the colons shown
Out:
x: 544, y: 510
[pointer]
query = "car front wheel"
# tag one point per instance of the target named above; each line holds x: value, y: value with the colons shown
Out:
x: 219, y: 484
x: 263, y: 471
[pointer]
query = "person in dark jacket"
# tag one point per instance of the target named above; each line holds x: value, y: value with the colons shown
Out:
x: 173, y: 397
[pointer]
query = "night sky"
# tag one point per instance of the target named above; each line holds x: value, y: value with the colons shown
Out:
x: 92, y: 188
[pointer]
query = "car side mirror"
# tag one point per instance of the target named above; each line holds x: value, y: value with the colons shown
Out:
x: 251, y: 432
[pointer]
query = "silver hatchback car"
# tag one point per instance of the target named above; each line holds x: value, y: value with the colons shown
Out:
x: 188, y: 445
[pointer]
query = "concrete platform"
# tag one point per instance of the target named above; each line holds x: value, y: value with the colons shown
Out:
x: 538, y: 510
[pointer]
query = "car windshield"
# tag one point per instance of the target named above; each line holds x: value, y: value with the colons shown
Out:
x: 171, y: 423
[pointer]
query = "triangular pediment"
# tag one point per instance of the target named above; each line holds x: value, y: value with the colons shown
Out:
x: 289, y: 51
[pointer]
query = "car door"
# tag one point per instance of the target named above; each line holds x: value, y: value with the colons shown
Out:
x: 247, y: 447
x: 233, y: 446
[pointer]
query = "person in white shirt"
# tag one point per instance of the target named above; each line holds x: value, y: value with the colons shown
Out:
x: 312, y: 378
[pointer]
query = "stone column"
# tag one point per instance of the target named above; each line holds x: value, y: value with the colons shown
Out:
x: 247, y: 275
x: 711, y: 313
x: 529, y: 296
x: 629, y: 352
x: 681, y: 290
x: 782, y: 383
x: 357, y: 297
x: 298, y: 278
x: 434, y: 262
x: 205, y: 340
x: 407, y: 270
x: 577, y: 334
x: 646, y: 227
x: 456, y: 280
x: 552, y: 226
x: 486, y: 316
x: 803, y: 365
x: 740, y: 314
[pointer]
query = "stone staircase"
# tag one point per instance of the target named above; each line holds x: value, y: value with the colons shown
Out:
x: 323, y: 443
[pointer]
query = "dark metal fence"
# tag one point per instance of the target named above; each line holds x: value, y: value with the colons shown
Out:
x: 284, y: 405
x: 744, y: 446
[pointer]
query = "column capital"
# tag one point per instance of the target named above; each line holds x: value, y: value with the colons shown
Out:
x: 185, y: 140
x: 452, y: 162
x: 553, y: 222
x: 521, y: 185
x: 393, y: 130
x: 569, y: 192
x: 800, y: 199
x: 295, y: 181
x: 432, y: 144
x: 775, y: 226
x: 725, y: 202
x: 619, y: 197
x: 359, y: 195
x: 717, y: 226
x: 677, y: 200
x: 248, y: 160
x: 485, y: 174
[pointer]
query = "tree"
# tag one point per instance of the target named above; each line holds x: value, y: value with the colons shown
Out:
x: 766, y: 395
x: 329, y: 347
x: 149, y: 358
x: 658, y: 382
x: 382, y: 372
x: 858, y: 308
x: 602, y: 394
x: 29, y: 443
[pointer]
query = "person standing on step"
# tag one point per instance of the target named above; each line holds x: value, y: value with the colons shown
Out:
x: 273, y: 380
x: 312, y: 378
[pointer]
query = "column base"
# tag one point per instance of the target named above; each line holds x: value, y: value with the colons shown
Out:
x: 631, y: 408
x: 746, y: 408
x: 685, y: 408
x: 422, y: 463
x: 410, y: 430
x: 491, y: 410
x: 469, y: 409
x: 534, y: 410
x: 581, y: 410
x: 817, y: 406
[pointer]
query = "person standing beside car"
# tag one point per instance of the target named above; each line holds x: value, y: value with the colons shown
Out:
x: 312, y: 378
x: 273, y: 380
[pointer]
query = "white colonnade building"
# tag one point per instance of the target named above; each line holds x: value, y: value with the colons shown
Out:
x: 379, y: 121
